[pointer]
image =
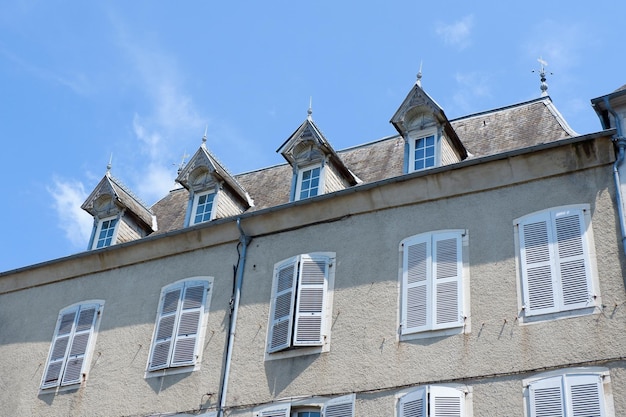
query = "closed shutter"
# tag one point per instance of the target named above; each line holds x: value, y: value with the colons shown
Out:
x: 339, y: 407
x: 188, y: 326
x: 413, y: 404
x: 165, y: 328
x: 281, y: 410
x: 312, y: 286
x: 282, y: 306
x: 447, y: 276
x: 80, y: 342
x: 546, y: 398
x: 60, y: 346
x: 585, y: 396
x: 446, y: 402
x: 416, y: 286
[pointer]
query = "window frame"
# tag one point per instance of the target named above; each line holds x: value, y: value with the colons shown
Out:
x: 300, y: 179
x: 342, y: 406
x: 429, y: 326
x: 295, y: 318
x: 88, y: 347
x: 558, y: 309
x: 98, y: 230
x: 169, y: 366
x: 427, y: 395
x: 195, y: 203
x: 413, y: 138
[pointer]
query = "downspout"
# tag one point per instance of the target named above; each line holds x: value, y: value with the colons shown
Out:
x: 244, y: 240
x: 620, y: 141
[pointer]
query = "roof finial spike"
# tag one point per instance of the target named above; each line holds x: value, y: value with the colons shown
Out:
x: 206, y: 128
x: 309, y: 112
x: 181, y: 166
x: 109, y: 165
x: 542, y: 75
x: 419, y: 76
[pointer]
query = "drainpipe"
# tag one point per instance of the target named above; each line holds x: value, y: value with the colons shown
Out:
x: 620, y: 141
x: 244, y: 240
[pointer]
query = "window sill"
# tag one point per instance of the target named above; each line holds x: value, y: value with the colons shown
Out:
x: 427, y: 334
x: 293, y: 352
x: 171, y: 371
x: 586, y: 311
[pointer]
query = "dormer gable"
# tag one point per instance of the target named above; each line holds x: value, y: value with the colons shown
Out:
x: 317, y: 168
x: 213, y: 192
x: 119, y: 216
x: 430, y: 140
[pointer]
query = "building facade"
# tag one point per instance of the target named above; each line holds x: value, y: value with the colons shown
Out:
x: 467, y: 267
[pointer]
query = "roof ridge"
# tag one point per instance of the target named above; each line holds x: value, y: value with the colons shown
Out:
x: 128, y: 191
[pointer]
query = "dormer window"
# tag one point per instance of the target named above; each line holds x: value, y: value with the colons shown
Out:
x: 423, y: 153
x: 203, y: 207
x: 105, y: 233
x: 309, y: 182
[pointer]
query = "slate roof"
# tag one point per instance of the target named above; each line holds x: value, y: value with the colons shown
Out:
x: 487, y: 133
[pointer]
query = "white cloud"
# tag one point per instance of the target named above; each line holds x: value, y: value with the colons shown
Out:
x: 76, y: 224
x: 471, y: 87
x: 457, y: 33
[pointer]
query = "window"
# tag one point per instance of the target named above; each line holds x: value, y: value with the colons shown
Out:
x: 180, y: 323
x: 105, y: 233
x: 579, y: 392
x: 434, y: 401
x: 309, y: 182
x: 555, y: 263
x: 334, y: 407
x: 423, y: 150
x: 300, y: 304
x: 70, y: 351
x: 202, y: 207
x: 433, y: 280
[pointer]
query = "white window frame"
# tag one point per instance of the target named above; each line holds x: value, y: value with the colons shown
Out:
x: 71, y: 351
x: 295, y: 332
x: 556, y: 387
x: 424, y: 401
x: 329, y: 407
x: 544, y: 266
x: 415, y: 136
x: 166, y: 364
x: 96, y: 235
x: 422, y: 295
x: 299, y: 179
x: 194, y: 208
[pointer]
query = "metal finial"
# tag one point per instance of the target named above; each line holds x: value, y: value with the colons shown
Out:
x: 419, y: 76
x: 206, y: 127
x: 309, y: 112
x: 182, y: 161
x: 110, y: 164
x: 542, y: 75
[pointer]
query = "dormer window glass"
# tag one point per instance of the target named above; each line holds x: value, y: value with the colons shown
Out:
x: 105, y: 232
x: 203, y: 207
x: 308, y: 182
x: 424, y: 153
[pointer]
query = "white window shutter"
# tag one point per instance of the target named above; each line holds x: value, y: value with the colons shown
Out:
x: 312, y: 287
x: 83, y: 330
x: 282, y: 306
x: 546, y: 398
x: 416, y: 285
x: 447, y: 276
x: 339, y: 407
x: 446, y: 402
x: 188, y: 324
x: 281, y: 410
x: 585, y: 396
x: 165, y: 328
x: 413, y: 404
x: 572, y: 259
x: 538, y: 271
x: 60, y: 346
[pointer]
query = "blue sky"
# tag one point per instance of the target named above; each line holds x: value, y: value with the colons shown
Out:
x: 140, y: 80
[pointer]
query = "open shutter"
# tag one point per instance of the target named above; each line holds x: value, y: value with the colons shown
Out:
x: 339, y: 407
x: 79, y: 345
x: 165, y: 327
x: 413, y: 404
x: 281, y: 410
x: 585, y: 397
x: 188, y: 324
x: 60, y: 346
x: 572, y: 259
x: 312, y: 286
x: 538, y: 272
x: 416, y: 286
x: 546, y: 398
x: 448, y: 286
x: 446, y: 402
x: 282, y: 306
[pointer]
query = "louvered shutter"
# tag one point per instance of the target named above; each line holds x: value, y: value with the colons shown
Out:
x: 310, y: 299
x: 80, y: 342
x: 165, y: 328
x: 585, y: 396
x: 447, y: 272
x: 189, y: 318
x: 281, y: 410
x: 282, y: 306
x: 538, y: 271
x: 446, y: 402
x: 572, y: 259
x: 60, y: 346
x: 339, y: 407
x: 413, y: 404
x: 546, y: 398
x: 416, y: 285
